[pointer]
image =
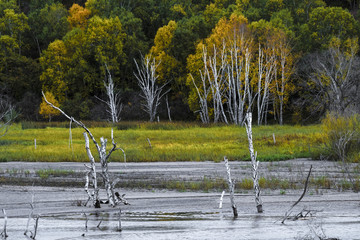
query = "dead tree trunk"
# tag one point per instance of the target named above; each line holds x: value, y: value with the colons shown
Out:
x: 254, y: 162
x: 301, y: 197
x: 231, y: 187
x: 113, y: 102
x: 3, y: 233
x: 94, y: 195
x: 103, y: 156
x: 147, y: 81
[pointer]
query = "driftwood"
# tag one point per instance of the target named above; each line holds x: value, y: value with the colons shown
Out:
x: 301, y: 197
x: 231, y: 187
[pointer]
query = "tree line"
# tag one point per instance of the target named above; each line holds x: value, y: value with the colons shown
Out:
x: 286, y: 61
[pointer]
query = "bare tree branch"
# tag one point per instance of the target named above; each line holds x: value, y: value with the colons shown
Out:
x: 301, y: 197
x: 147, y: 81
x: 7, y: 115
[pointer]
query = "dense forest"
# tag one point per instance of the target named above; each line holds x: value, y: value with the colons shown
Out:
x: 287, y: 61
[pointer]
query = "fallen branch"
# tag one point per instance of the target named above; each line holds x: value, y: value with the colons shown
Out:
x: 98, y: 226
x: 301, y: 197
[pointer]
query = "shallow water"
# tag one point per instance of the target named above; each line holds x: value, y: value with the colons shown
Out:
x: 183, y: 225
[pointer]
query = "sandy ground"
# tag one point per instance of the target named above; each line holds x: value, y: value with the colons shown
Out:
x: 160, y: 214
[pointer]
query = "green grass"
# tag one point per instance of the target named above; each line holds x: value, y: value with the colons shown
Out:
x: 45, y: 173
x: 169, y: 141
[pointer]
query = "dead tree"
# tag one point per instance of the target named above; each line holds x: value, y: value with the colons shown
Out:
x: 151, y: 91
x: 333, y: 79
x: 3, y: 233
x: 113, y: 102
x: 266, y: 65
x: 217, y: 82
x: 254, y: 162
x: 238, y: 89
x: 7, y: 115
x: 112, y: 198
x: 301, y: 197
x: 340, y: 144
x: 231, y: 187
x: 203, y: 96
x: 287, y: 68
x: 30, y: 214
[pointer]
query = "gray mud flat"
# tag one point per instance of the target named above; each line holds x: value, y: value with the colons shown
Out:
x: 162, y: 214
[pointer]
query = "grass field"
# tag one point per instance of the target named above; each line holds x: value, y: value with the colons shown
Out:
x: 169, y: 142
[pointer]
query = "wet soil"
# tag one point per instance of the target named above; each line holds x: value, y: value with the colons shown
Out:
x: 164, y: 214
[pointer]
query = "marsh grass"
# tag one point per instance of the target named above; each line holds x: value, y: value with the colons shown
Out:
x: 46, y: 173
x: 169, y: 142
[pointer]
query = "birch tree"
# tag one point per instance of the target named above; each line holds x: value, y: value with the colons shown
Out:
x: 238, y: 83
x: 215, y: 76
x: 283, y: 85
x: 147, y: 81
x: 266, y: 70
x: 203, y: 95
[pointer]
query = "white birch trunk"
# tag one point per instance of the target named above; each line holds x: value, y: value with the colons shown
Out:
x: 94, y: 195
x: 231, y: 188
x: 204, y: 111
x: 265, y: 77
x: 254, y: 162
x: 105, y: 172
x: 217, y: 83
x: 4, y: 233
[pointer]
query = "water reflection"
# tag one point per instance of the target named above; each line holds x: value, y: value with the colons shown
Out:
x: 172, y: 225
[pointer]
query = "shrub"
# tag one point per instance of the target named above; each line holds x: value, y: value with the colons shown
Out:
x: 342, y: 136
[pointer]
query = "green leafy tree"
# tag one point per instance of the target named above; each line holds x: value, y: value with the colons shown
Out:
x: 13, y: 25
x: 326, y: 23
x: 48, y: 24
x: 76, y: 65
x: 161, y: 52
